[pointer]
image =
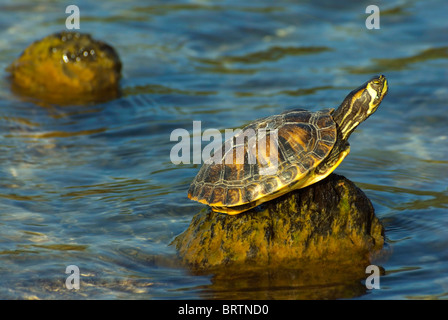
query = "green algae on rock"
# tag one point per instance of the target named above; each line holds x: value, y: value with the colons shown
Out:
x: 67, y: 67
x: 332, y: 220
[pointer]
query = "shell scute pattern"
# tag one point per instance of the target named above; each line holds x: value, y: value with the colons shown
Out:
x: 304, y: 139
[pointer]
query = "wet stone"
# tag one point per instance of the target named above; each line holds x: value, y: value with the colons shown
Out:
x: 67, y: 67
x: 332, y: 220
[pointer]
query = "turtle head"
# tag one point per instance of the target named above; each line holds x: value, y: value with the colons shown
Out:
x: 376, y: 89
x: 360, y: 104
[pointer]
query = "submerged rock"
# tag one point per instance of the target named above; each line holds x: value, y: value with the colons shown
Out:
x: 332, y: 220
x: 67, y: 67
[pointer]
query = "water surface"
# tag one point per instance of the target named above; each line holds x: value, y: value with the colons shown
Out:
x: 94, y: 185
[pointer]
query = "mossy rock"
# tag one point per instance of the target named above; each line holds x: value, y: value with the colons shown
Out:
x: 332, y: 220
x: 66, y: 68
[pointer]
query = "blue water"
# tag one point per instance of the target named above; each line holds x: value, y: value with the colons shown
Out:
x: 94, y: 186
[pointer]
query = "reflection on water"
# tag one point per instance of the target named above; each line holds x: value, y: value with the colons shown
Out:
x: 401, y: 63
x: 94, y: 186
x: 309, y: 282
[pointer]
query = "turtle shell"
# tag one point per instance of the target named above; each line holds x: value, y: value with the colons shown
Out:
x: 304, y: 139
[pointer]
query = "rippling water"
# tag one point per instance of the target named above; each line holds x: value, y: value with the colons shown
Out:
x: 94, y: 185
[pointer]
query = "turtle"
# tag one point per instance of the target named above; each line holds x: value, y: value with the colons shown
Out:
x: 307, y: 146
